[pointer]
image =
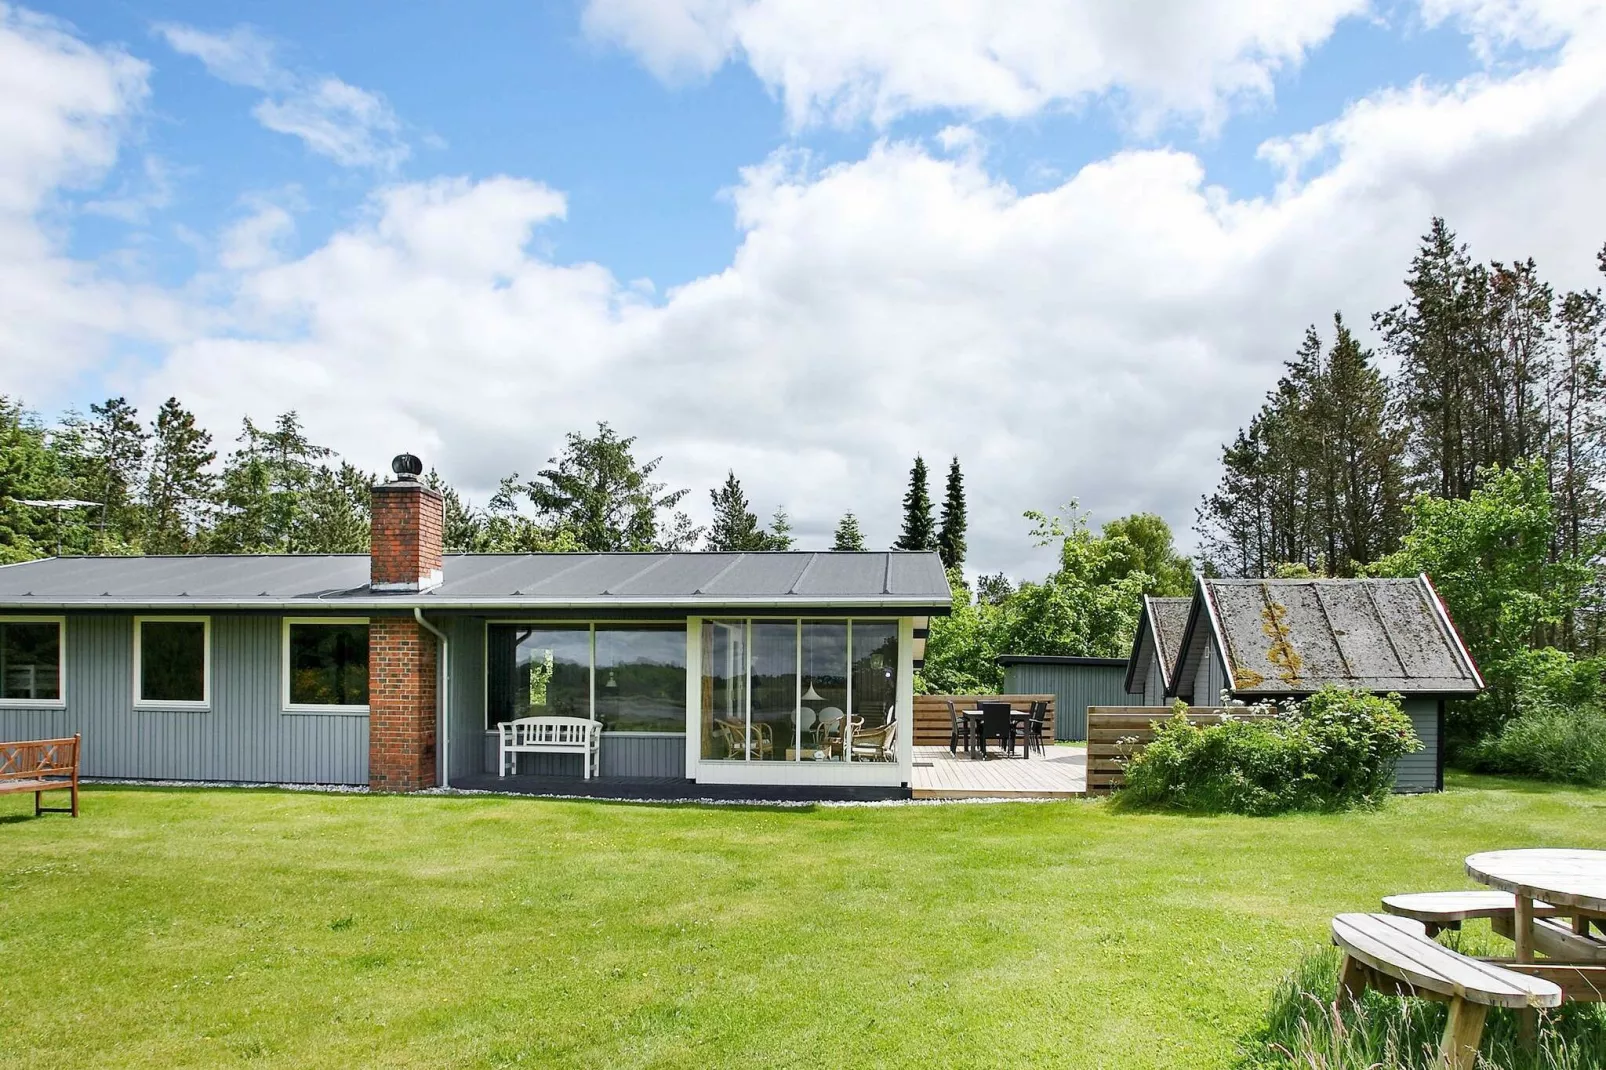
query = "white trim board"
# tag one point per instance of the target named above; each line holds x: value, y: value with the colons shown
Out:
x: 205, y: 702
x: 60, y: 702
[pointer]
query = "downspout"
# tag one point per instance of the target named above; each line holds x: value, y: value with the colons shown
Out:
x: 445, y: 695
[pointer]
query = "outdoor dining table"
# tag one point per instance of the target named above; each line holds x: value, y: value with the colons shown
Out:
x: 974, y: 716
x: 1561, y: 877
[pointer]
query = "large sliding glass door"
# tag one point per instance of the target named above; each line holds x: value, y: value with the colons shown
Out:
x: 799, y: 690
x: 631, y: 677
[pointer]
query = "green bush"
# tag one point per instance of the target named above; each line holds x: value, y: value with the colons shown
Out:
x: 1556, y: 727
x: 1334, y: 751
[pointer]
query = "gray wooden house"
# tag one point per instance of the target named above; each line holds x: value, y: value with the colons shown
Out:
x: 1254, y: 640
x: 396, y: 669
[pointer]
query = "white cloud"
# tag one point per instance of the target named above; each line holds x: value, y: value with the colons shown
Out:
x: 1097, y: 339
x: 846, y: 60
x: 63, y: 109
x: 256, y: 240
x: 242, y: 56
x: 351, y: 126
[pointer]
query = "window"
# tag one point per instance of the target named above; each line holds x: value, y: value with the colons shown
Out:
x: 641, y: 677
x: 811, y: 690
x: 172, y: 662
x: 31, y: 661
x: 631, y: 677
x: 326, y: 665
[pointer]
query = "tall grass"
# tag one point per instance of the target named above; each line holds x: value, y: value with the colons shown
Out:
x: 1307, y: 1027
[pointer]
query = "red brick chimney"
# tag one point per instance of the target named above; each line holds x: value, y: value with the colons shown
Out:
x: 405, y: 537
x: 405, y: 546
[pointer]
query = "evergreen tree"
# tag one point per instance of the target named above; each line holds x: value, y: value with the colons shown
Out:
x: 1316, y: 479
x: 333, y: 514
x: 735, y: 527
x: 919, y: 532
x: 951, y: 535
x: 779, y: 537
x: 848, y: 536
x: 115, y: 446
x: 265, y: 489
x: 604, y: 499
x: 25, y: 472
x: 178, y: 484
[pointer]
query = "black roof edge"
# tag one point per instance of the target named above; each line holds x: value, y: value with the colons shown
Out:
x: 1054, y: 659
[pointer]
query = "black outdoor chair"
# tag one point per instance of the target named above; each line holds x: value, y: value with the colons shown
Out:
x: 1035, y: 726
x: 996, y: 722
x: 959, y: 732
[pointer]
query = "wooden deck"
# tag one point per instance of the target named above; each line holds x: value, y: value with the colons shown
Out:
x: 1060, y: 774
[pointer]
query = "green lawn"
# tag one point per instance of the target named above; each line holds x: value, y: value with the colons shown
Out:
x: 201, y: 928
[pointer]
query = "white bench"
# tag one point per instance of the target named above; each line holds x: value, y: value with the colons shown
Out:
x: 552, y: 735
x: 1395, y: 955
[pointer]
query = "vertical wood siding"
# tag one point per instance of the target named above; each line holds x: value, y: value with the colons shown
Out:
x: 243, y: 737
x: 466, y: 750
x: 1420, y: 771
x: 1153, y: 683
x: 1074, y: 687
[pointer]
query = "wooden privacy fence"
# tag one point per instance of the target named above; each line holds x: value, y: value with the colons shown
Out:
x: 1116, y: 733
x: 932, y: 724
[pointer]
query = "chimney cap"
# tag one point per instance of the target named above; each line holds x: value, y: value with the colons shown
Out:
x: 406, y: 466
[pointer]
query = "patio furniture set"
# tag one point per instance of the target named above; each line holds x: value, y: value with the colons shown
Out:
x: 1550, y: 903
x: 1000, y: 721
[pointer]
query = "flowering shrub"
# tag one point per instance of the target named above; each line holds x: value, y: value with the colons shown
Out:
x: 1334, y: 751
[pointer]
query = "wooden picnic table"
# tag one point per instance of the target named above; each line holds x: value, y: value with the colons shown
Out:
x: 1570, y: 879
x: 1573, y: 881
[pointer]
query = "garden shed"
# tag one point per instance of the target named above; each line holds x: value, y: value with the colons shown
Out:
x: 1265, y: 640
x: 1075, y: 683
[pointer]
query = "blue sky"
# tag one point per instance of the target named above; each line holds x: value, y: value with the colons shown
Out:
x: 424, y: 225
x: 508, y: 88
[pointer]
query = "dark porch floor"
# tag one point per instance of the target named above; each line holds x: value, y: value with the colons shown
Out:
x: 669, y: 789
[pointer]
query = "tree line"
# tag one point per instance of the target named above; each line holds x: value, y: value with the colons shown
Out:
x: 111, y: 483
x: 1493, y: 369
x: 1480, y: 460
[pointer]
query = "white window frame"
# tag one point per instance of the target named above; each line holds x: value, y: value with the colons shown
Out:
x: 143, y: 703
x: 286, y: 706
x: 61, y: 664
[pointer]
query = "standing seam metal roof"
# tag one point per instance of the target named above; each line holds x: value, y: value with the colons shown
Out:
x: 891, y: 579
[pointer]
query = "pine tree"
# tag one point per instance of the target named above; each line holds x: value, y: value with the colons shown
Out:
x: 265, y: 487
x: 735, y: 527
x: 603, y: 499
x: 779, y: 537
x: 1316, y: 480
x: 951, y: 535
x: 919, y: 532
x: 178, y: 486
x: 848, y: 536
x: 115, y: 444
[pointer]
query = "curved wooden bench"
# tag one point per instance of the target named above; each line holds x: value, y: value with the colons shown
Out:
x: 1447, y: 910
x: 1396, y: 955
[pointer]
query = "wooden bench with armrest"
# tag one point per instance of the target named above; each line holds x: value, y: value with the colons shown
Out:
x: 41, y: 765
